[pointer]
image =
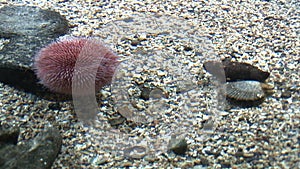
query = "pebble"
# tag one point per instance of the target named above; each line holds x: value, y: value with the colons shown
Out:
x: 40, y: 152
x: 178, y: 145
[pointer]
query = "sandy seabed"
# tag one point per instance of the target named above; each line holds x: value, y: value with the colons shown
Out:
x: 262, y: 33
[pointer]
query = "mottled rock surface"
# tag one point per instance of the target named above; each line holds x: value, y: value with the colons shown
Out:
x: 40, y: 152
x: 28, y: 29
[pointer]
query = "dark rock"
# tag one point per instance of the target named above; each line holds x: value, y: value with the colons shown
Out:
x: 151, y: 92
x: 8, y: 135
x: 145, y: 92
x: 37, y: 153
x: 28, y: 30
x: 235, y: 71
x: 178, y: 145
x: 239, y: 153
x: 19, y: 21
x: 116, y: 121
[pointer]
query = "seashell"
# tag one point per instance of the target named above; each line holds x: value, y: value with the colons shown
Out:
x: 247, y: 90
x: 235, y: 71
x: 244, y: 83
x: 243, y: 71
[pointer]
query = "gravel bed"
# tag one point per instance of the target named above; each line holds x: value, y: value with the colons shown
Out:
x: 163, y: 45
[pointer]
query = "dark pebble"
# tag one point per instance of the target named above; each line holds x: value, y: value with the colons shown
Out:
x: 19, y: 21
x: 40, y: 152
x: 178, y: 145
x: 116, y: 121
x: 145, y: 92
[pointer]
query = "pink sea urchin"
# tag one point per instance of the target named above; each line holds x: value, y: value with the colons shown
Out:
x: 86, y: 59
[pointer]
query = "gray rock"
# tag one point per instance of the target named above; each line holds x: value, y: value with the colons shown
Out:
x: 19, y: 21
x: 37, y: 153
x: 178, y: 145
x: 28, y: 30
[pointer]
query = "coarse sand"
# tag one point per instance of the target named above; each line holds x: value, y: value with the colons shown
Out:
x: 263, y: 33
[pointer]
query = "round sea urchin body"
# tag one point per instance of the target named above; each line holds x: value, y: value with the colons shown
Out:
x: 75, y: 62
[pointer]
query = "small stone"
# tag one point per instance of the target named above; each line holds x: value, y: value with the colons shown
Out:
x: 248, y: 155
x: 150, y: 158
x: 157, y: 94
x: 161, y: 73
x: 153, y: 93
x: 187, y: 164
x: 204, y: 161
x: 135, y: 42
x: 142, y: 37
x: 226, y: 164
x: 178, y: 145
x: 40, y: 152
x: 116, y: 121
x: 145, y: 94
x: 188, y: 48
x: 101, y: 161
x: 126, y: 164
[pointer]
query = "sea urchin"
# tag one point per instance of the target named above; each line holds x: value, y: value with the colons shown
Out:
x: 78, y: 63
